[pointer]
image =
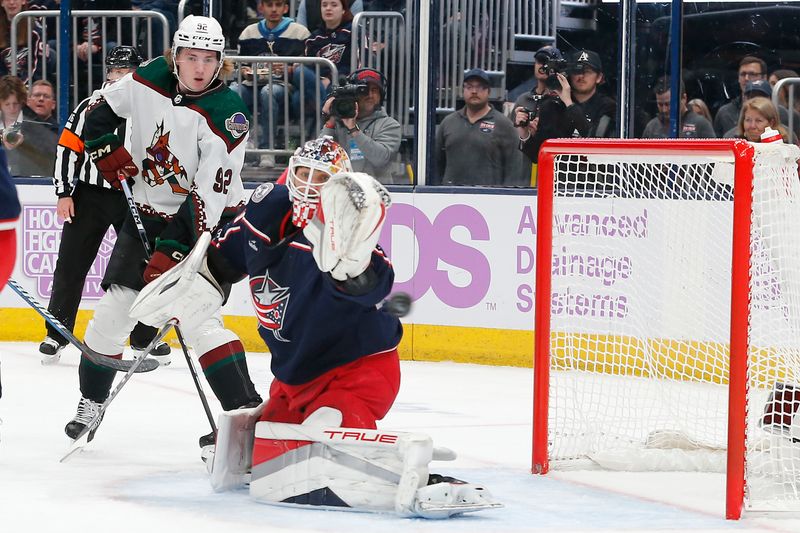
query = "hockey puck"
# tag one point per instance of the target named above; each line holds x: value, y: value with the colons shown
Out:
x: 398, y: 304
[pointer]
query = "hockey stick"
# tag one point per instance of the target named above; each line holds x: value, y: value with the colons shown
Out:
x: 97, y: 358
x: 196, y: 379
x: 148, y: 251
x: 83, y: 437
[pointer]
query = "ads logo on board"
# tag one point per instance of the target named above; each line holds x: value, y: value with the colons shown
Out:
x: 41, y: 237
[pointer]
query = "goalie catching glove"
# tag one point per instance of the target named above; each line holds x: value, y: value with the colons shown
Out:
x: 348, y: 225
x: 188, y: 292
x: 112, y: 159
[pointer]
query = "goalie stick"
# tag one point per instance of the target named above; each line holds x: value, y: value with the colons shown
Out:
x: 83, y: 437
x: 97, y: 358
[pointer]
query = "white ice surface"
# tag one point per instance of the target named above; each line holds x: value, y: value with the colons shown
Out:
x: 142, y: 473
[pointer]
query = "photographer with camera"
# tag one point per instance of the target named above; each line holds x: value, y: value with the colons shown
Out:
x: 476, y: 145
x: 355, y: 118
x: 547, y: 111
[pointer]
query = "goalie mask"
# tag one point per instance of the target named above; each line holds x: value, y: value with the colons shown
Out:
x: 309, y: 168
x: 203, y: 33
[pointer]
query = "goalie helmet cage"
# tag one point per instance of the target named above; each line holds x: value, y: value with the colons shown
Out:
x: 667, y: 315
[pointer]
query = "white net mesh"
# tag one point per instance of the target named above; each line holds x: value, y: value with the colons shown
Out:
x: 640, y: 315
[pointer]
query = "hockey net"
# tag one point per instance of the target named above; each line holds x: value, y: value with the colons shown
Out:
x: 668, y: 312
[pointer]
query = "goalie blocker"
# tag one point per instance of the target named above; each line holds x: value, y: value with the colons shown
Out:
x: 320, y: 465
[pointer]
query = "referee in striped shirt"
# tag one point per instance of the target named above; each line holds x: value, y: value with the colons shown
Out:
x: 88, y: 205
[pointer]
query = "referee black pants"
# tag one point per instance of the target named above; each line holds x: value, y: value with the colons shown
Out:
x: 96, y: 209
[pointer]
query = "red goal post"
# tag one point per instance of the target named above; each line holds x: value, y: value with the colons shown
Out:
x: 667, y: 316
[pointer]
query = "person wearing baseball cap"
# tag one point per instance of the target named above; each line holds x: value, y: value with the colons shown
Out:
x: 477, y: 144
x: 585, y: 76
x: 370, y: 136
x: 761, y: 88
x: 547, y: 111
x: 757, y: 88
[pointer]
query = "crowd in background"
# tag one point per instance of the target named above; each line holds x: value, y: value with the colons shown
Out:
x: 478, y: 144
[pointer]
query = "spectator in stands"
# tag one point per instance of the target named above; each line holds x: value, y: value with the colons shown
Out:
x: 31, y: 144
x: 13, y: 96
x: 274, y: 35
x: 783, y: 97
x: 42, y: 60
x: 762, y: 88
x: 332, y: 42
x: 477, y: 145
x: 585, y: 76
x: 309, y: 13
x: 758, y: 113
x: 91, y: 48
x: 154, y: 46
x: 546, y: 112
x: 42, y: 104
x: 750, y: 68
x: 371, y: 137
x: 692, y: 125
x: 699, y: 106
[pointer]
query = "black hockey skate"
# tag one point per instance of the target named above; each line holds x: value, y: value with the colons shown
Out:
x: 50, y: 350
x: 208, y: 440
x: 87, y: 410
x: 160, y: 352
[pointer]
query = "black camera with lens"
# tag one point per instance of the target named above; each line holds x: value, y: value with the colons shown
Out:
x: 12, y: 134
x: 530, y: 114
x: 345, y: 97
x: 552, y: 68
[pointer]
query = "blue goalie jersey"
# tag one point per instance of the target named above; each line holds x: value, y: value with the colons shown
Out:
x: 309, y: 324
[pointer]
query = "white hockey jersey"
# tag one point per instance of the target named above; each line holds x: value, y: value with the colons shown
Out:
x: 189, y: 148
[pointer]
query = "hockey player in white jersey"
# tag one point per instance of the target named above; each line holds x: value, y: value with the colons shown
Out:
x: 188, y: 138
x: 316, y: 277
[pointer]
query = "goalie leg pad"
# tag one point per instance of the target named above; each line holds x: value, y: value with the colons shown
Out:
x: 360, y: 469
x: 338, y: 467
x: 229, y: 465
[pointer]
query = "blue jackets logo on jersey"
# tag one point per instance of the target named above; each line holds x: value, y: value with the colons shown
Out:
x: 270, y: 303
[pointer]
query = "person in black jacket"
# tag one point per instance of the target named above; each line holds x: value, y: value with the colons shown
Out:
x: 585, y: 76
x: 547, y: 111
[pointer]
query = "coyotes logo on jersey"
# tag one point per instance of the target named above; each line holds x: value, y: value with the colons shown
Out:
x: 162, y: 166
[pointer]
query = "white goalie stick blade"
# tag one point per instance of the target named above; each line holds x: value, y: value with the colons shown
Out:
x: 83, y: 438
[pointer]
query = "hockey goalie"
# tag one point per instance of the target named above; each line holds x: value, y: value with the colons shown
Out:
x: 317, y: 278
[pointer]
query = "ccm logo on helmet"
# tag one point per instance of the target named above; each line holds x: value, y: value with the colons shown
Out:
x: 385, y: 438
